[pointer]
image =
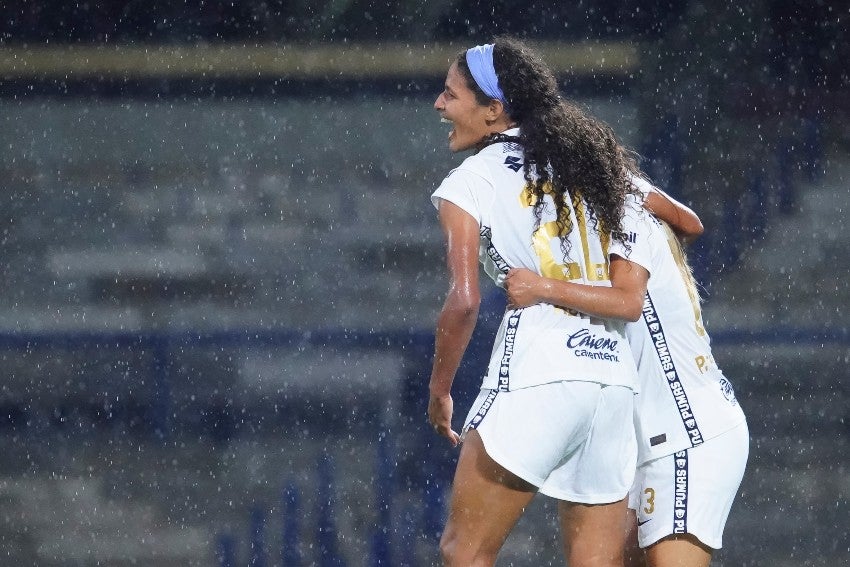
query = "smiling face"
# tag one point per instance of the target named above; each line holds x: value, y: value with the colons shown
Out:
x: 472, y: 121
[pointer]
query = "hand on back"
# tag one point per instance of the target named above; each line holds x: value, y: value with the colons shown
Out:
x: 523, y: 287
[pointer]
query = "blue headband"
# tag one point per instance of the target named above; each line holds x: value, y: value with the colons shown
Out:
x: 479, y: 59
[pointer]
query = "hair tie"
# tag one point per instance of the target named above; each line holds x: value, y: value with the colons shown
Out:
x: 479, y: 59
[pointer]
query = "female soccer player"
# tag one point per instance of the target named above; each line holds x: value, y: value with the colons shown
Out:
x: 545, y: 190
x: 692, y: 435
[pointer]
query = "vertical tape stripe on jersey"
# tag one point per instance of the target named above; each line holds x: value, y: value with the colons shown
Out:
x: 494, y: 255
x: 662, y: 350
x: 513, y: 320
x: 680, y: 492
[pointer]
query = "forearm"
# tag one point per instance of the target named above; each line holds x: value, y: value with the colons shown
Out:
x: 684, y: 221
x: 596, y: 301
x: 454, y: 330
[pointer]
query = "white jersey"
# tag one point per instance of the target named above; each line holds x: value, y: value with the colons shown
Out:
x: 538, y: 344
x: 684, y: 398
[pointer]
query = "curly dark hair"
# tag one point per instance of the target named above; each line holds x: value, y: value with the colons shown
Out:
x: 563, y: 146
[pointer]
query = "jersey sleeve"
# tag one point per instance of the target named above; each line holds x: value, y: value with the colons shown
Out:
x: 642, y: 185
x: 637, y: 224
x: 462, y: 187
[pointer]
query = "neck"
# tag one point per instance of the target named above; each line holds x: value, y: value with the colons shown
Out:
x: 496, y: 138
x: 501, y: 125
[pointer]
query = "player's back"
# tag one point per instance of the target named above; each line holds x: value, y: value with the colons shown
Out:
x: 540, y: 343
x: 685, y: 399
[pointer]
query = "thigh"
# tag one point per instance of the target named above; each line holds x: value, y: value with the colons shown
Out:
x: 670, y: 551
x: 634, y: 555
x: 486, y: 502
x: 594, y: 534
x: 679, y: 551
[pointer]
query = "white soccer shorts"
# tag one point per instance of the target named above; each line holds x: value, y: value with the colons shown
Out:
x: 574, y: 440
x: 691, y: 491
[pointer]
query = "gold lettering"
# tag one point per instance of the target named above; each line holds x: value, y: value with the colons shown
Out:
x: 650, y: 501
x: 550, y: 231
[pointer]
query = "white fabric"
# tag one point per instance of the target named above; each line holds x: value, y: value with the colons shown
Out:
x: 567, y: 438
x: 539, y: 344
x: 691, y: 491
x: 684, y: 398
x: 642, y: 185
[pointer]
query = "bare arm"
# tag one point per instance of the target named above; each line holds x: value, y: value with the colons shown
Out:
x: 684, y: 221
x: 458, y: 316
x: 624, y: 300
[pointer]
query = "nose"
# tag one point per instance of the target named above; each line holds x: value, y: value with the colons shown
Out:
x: 438, y: 104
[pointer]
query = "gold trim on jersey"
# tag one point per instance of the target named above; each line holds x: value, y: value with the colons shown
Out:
x: 549, y: 231
x: 596, y: 271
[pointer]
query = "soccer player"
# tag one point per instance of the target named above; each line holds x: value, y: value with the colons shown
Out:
x: 692, y: 436
x: 545, y: 190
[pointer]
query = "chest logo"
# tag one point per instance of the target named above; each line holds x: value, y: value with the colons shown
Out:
x: 513, y: 163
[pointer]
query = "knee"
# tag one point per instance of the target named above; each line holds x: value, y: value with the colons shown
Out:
x: 448, y: 545
x: 450, y: 551
x: 455, y: 553
x: 608, y: 558
x: 597, y: 562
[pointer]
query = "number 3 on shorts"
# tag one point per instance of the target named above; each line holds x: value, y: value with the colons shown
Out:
x: 650, y: 501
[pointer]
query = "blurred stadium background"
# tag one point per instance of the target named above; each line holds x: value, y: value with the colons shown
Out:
x: 222, y: 269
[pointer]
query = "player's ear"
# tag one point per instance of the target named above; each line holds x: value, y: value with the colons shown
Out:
x: 495, y: 110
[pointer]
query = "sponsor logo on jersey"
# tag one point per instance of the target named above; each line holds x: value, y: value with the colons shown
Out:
x: 659, y: 341
x: 680, y: 493
x: 631, y: 237
x: 728, y: 391
x: 508, y: 352
x: 587, y: 345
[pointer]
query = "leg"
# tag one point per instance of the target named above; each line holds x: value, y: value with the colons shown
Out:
x: 486, y: 503
x: 594, y: 534
x: 683, y: 550
x: 635, y: 556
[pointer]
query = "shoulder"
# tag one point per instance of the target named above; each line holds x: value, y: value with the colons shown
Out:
x: 483, y: 167
x: 473, y: 165
x: 634, y: 210
x: 466, y: 185
x: 641, y: 184
x: 639, y: 224
x: 470, y: 175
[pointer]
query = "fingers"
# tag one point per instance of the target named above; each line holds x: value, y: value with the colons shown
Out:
x: 447, y: 432
x: 440, y: 418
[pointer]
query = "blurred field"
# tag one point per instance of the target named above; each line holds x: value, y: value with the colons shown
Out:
x: 184, y: 217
